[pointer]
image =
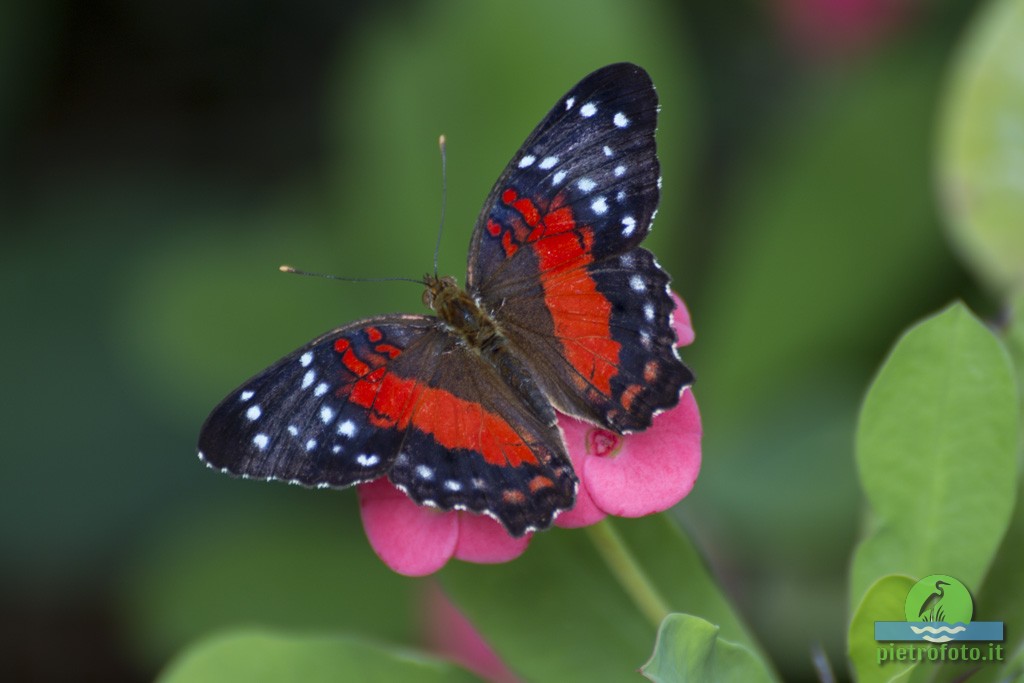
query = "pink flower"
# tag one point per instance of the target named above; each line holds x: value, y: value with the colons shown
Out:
x: 449, y: 633
x: 625, y: 476
x: 838, y: 28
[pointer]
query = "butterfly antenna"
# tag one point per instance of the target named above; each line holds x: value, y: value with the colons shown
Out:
x: 442, y: 144
x: 296, y: 271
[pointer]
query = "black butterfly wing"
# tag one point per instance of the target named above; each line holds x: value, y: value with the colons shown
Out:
x: 555, y: 256
x: 398, y: 396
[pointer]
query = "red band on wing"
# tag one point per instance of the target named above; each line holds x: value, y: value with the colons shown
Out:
x: 453, y: 422
x: 581, y: 314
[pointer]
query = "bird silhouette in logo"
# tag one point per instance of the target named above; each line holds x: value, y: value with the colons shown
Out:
x: 932, y: 608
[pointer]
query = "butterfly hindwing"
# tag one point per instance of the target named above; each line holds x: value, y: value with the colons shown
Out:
x: 555, y: 255
x: 397, y: 396
x: 612, y: 358
x: 476, y: 445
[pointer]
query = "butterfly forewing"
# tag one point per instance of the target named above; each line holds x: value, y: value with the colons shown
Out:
x: 554, y: 255
x: 303, y: 419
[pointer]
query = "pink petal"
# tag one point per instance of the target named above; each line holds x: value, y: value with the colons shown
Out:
x: 652, y: 470
x: 411, y: 539
x: 584, y: 512
x: 485, y: 541
x: 451, y: 635
x: 681, y: 322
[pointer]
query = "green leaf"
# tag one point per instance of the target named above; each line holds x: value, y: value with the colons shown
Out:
x: 982, y: 152
x: 689, y: 649
x: 578, y: 623
x: 1001, y: 599
x: 884, y: 601
x: 258, y: 656
x: 1014, y: 336
x: 936, y: 452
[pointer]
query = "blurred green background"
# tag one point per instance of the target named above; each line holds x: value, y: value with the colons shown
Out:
x: 160, y: 160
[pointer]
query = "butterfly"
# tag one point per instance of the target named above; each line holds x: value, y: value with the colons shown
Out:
x: 562, y: 310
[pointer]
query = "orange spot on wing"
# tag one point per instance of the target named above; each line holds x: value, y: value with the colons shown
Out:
x: 341, y: 345
x: 650, y: 371
x: 513, y: 497
x: 373, y: 334
x: 540, y: 482
x: 629, y: 395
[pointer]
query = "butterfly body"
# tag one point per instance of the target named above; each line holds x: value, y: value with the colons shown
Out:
x: 562, y: 310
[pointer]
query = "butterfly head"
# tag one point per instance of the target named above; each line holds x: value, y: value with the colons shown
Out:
x: 439, y: 291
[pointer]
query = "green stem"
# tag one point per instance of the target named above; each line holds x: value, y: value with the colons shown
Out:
x: 628, y: 572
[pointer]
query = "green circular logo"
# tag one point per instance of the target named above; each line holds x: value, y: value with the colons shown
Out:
x: 939, y: 598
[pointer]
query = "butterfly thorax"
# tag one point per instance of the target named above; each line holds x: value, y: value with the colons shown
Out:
x: 461, y: 312
x: 480, y: 332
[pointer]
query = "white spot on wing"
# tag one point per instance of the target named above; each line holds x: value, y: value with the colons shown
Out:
x: 246, y: 395
x: 586, y: 184
x: 569, y: 102
x: 628, y: 226
x: 326, y: 414
x: 308, y: 378
x: 306, y: 358
x: 311, y: 444
x: 548, y: 162
x: 649, y: 313
x: 320, y: 390
x: 369, y: 460
x: 335, y: 449
x: 619, y: 170
x: 527, y: 161
x: 253, y: 413
x: 453, y: 485
x: 261, y: 441
x: 293, y: 430
x: 424, y: 472
x: 599, y: 206
x: 588, y: 110
x: 636, y: 283
x: 558, y: 178
x: 347, y: 428
x: 608, y: 151
x: 620, y: 120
